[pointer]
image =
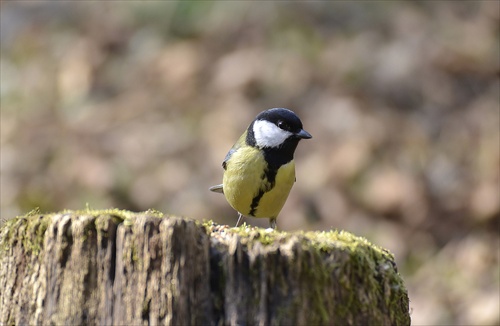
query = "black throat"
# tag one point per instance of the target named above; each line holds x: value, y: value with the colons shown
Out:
x: 275, y: 156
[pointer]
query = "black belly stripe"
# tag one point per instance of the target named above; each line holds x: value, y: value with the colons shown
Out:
x: 275, y: 158
x: 255, y: 202
x: 269, y: 181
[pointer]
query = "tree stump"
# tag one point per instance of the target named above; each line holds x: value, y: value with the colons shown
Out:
x: 118, y: 267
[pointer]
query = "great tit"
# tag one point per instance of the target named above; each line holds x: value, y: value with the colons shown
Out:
x: 259, y: 168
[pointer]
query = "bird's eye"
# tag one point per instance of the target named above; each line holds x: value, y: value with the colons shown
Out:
x: 283, y: 125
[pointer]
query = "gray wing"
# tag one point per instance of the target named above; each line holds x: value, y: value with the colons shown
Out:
x: 236, y: 146
x: 219, y: 188
x: 228, y: 156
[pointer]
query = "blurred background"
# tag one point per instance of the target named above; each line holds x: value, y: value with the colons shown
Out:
x: 135, y: 104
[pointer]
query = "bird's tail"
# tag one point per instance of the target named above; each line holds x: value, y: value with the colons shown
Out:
x: 217, y: 188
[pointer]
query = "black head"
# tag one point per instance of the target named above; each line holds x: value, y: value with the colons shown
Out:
x: 285, y: 119
x: 275, y: 127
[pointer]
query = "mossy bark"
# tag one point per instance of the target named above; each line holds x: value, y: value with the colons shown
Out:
x: 117, y: 267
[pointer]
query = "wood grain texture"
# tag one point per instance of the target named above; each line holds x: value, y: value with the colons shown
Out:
x: 116, y: 267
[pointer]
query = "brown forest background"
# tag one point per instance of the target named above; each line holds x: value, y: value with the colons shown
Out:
x: 135, y: 104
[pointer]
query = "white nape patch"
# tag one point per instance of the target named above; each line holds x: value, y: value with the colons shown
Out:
x: 267, y: 134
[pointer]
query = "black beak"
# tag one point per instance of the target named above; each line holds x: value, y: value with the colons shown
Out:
x: 303, y: 134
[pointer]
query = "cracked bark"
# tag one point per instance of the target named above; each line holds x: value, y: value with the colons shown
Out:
x: 103, y: 268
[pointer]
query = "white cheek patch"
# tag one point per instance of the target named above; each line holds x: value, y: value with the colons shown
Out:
x: 267, y: 134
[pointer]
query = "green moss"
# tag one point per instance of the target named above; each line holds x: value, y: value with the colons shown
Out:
x: 29, y: 229
x: 323, y: 241
x: 135, y: 253
x: 354, y: 262
x: 316, y: 275
x: 365, y: 272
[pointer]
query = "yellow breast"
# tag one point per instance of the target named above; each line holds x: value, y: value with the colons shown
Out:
x: 244, y: 179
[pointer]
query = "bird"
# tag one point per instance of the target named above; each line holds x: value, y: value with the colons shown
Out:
x: 259, y: 170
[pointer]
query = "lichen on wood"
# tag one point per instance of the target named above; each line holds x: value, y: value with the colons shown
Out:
x: 119, y: 267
